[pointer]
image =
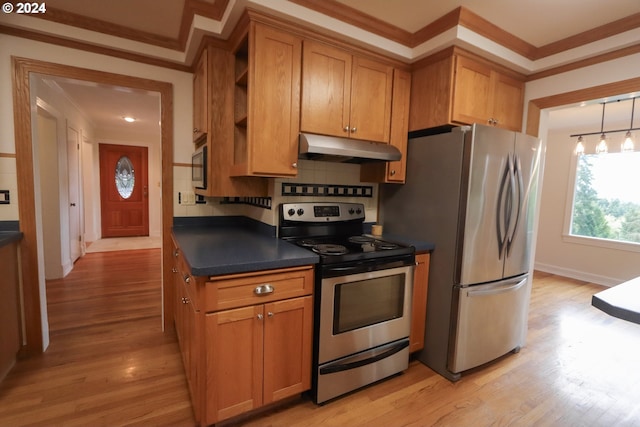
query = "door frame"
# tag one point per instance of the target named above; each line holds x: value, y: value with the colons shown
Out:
x: 31, y: 286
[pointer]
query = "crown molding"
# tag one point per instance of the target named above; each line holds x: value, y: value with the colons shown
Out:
x: 459, y: 27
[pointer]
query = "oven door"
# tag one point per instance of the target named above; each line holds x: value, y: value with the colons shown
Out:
x: 364, y: 310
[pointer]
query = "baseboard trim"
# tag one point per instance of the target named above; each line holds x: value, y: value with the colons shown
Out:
x: 578, y: 275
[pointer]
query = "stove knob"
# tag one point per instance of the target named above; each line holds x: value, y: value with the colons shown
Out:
x: 300, y: 211
x: 358, y: 211
x: 351, y: 211
x: 291, y: 212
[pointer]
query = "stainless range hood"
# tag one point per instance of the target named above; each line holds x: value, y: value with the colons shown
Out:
x: 329, y: 148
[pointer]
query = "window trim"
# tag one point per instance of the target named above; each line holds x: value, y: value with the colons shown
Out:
x: 599, y: 242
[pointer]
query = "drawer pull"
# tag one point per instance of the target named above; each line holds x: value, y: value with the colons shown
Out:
x: 264, y: 290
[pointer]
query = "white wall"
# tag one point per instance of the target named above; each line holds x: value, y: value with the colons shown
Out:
x: 555, y: 254
x: 599, y: 265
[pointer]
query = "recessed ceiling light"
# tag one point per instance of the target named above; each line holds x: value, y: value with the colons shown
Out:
x: 129, y: 119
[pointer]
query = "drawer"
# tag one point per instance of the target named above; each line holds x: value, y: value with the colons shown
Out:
x: 241, y: 290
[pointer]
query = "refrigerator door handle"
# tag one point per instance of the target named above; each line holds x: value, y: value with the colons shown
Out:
x: 498, y: 289
x: 501, y: 220
x: 517, y: 207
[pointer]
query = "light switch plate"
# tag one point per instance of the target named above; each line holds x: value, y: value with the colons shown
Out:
x: 188, y: 198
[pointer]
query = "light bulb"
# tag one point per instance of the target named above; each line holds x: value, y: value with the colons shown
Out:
x: 627, y: 145
x: 602, y: 148
x: 580, y: 146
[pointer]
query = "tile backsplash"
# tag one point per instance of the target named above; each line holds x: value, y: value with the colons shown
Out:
x: 344, y: 177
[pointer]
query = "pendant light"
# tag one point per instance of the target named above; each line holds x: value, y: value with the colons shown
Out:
x: 628, y: 145
x: 602, y: 147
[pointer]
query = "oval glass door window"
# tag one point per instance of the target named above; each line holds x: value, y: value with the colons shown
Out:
x: 125, y: 177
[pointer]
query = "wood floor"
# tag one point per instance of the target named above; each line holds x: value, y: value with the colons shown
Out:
x: 109, y: 364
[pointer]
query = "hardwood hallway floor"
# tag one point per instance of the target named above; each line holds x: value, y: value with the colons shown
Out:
x: 109, y: 364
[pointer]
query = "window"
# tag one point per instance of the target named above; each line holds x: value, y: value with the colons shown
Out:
x: 124, y: 177
x: 606, y: 202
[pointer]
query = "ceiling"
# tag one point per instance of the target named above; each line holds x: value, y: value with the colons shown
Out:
x: 167, y: 30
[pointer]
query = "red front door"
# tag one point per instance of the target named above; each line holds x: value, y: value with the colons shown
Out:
x: 124, y: 190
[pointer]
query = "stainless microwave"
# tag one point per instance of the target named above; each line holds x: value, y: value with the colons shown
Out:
x: 199, y: 168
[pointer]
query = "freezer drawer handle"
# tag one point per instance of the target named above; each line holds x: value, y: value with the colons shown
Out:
x: 353, y: 365
x: 499, y: 290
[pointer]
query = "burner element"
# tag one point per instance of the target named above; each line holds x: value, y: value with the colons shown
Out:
x: 308, y: 242
x: 329, y: 249
x: 361, y: 239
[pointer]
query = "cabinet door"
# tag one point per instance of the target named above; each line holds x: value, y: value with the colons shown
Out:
x: 508, y: 102
x: 9, y: 308
x: 234, y: 362
x: 274, y: 102
x: 471, y: 93
x: 326, y: 90
x: 431, y: 95
x: 419, y: 302
x: 371, y: 91
x: 399, y: 124
x: 287, y: 348
x: 200, y: 98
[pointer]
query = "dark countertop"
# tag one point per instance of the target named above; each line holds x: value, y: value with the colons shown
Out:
x: 419, y: 245
x: 7, y: 237
x: 226, y: 245
x: 621, y: 301
x: 9, y: 232
x: 217, y: 250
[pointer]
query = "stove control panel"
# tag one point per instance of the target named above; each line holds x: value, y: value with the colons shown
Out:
x: 322, y: 211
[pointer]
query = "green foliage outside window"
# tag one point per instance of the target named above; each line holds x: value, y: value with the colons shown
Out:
x: 596, y: 216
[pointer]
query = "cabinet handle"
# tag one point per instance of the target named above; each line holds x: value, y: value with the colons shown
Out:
x: 260, y: 316
x: 174, y: 270
x: 196, y: 130
x: 270, y: 313
x: 264, y: 289
x: 346, y: 129
x: 353, y: 130
x: 294, y: 165
x: 393, y: 172
x: 187, y: 279
x: 176, y: 253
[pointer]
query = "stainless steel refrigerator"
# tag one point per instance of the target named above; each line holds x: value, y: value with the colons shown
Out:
x: 471, y: 191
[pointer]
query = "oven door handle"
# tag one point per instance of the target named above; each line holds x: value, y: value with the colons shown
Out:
x: 339, y: 367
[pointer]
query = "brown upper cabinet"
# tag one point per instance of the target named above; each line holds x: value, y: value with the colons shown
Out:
x: 200, y: 100
x: 455, y: 87
x: 345, y: 95
x: 267, y: 102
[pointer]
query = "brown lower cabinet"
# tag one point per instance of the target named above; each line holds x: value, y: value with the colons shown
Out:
x: 9, y: 308
x: 243, y: 349
x: 257, y: 355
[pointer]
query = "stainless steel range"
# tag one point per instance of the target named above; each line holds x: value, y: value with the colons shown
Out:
x: 362, y: 296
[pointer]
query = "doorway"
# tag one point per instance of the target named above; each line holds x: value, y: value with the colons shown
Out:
x: 36, y: 332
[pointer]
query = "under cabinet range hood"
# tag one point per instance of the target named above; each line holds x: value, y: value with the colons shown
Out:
x: 330, y: 148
